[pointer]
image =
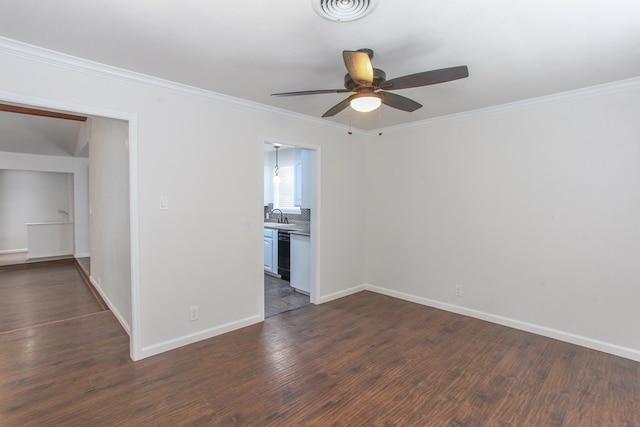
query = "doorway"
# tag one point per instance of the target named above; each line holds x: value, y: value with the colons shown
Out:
x: 116, y: 132
x: 289, y: 214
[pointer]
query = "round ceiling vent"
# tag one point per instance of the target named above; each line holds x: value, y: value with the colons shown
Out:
x: 343, y: 10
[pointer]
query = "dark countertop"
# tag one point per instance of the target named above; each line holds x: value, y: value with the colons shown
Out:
x: 300, y: 229
x: 301, y: 232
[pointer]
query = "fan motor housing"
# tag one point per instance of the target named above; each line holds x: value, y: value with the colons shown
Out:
x: 379, y: 76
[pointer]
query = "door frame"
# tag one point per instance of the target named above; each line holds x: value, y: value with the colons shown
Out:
x: 316, y: 210
x: 135, y: 346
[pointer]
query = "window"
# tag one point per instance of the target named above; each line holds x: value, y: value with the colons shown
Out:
x: 283, y: 191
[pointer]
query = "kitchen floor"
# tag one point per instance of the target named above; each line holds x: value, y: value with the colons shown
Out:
x: 279, y: 297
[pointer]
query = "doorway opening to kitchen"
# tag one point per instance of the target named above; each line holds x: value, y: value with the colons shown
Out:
x: 290, y: 207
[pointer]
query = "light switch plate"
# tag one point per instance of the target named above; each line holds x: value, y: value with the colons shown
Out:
x: 164, y: 203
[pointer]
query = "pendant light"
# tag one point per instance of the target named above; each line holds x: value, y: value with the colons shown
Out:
x: 276, y: 170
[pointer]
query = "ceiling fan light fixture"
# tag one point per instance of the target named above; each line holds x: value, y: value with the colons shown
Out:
x: 343, y: 10
x: 365, y: 103
x: 372, y: 88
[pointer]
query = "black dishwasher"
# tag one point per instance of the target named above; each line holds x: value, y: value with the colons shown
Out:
x: 284, y: 249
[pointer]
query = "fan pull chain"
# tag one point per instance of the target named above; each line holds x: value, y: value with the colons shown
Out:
x: 349, y: 132
x: 380, y: 121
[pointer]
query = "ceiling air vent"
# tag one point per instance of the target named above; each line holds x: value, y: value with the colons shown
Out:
x: 343, y: 10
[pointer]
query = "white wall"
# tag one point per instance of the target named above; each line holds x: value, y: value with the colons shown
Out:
x: 76, y: 166
x: 206, y: 155
x: 533, y: 211
x: 29, y: 197
x: 536, y: 212
x: 109, y: 218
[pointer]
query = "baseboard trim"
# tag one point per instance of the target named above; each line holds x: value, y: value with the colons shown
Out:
x: 152, y: 350
x: 14, y: 251
x: 111, y: 306
x: 342, y: 294
x: 614, y: 349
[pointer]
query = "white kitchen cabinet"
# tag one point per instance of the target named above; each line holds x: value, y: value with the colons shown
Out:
x: 304, y: 181
x: 309, y: 178
x: 298, y: 178
x: 300, y: 263
x: 271, y: 250
x: 268, y: 185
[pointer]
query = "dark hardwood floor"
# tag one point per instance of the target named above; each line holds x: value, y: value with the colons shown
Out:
x: 37, y: 293
x: 363, y: 360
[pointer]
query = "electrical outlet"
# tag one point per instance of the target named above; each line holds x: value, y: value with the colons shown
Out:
x: 193, y: 314
x: 459, y: 290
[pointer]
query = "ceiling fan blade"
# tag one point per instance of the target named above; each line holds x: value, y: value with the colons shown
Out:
x: 358, y: 66
x: 426, y: 78
x: 400, y: 102
x: 311, y: 92
x: 337, y: 108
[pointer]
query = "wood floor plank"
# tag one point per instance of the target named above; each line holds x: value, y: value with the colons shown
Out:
x: 363, y: 360
x: 549, y: 406
x: 606, y: 391
x: 43, y: 294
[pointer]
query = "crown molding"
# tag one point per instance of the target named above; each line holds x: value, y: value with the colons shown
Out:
x: 50, y: 57
x: 583, y: 93
x: 58, y: 59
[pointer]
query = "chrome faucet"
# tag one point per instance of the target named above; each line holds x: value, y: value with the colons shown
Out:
x: 281, y: 215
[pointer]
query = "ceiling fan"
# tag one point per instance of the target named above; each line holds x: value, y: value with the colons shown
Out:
x: 371, y: 85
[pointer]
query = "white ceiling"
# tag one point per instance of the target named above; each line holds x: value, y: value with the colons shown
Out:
x: 22, y: 133
x: 514, y: 49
